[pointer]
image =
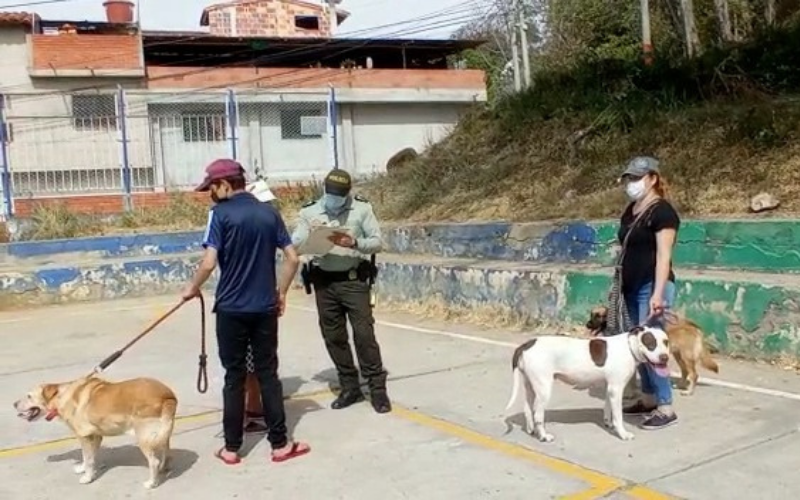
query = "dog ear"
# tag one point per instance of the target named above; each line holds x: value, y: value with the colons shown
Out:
x: 49, y: 392
x: 598, y: 349
x: 636, y: 330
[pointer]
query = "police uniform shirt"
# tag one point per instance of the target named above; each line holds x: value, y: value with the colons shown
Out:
x: 360, y: 221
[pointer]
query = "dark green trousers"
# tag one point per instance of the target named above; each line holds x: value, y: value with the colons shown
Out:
x: 336, y: 303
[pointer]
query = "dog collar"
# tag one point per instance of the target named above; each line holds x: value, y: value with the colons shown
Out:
x: 51, y: 414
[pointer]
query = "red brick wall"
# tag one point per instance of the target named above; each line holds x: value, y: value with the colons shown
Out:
x: 72, y: 51
x: 190, y: 77
x: 112, y: 204
x: 266, y: 18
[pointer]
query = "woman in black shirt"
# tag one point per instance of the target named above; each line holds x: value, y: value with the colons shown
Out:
x: 648, y: 232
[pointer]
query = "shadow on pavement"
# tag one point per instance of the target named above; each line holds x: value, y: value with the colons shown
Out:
x: 180, y: 461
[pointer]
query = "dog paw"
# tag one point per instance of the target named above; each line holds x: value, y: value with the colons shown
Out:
x: 86, y: 478
x: 626, y: 436
x: 687, y: 392
x: 79, y: 469
x: 547, y: 438
x: 150, y: 484
x: 608, y: 422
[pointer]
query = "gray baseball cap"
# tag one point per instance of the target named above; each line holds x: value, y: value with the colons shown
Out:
x: 641, y: 166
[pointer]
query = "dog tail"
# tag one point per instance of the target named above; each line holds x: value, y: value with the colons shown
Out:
x: 516, y: 389
x: 708, y: 362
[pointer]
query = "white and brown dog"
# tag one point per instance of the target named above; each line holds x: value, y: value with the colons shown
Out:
x: 94, y: 408
x: 583, y: 363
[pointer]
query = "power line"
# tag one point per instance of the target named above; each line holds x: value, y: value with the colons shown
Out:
x: 192, y: 93
x: 306, y: 50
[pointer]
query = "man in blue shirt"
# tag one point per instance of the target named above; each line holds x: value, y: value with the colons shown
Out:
x: 242, y: 237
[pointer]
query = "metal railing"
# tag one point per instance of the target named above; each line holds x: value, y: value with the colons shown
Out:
x: 129, y: 141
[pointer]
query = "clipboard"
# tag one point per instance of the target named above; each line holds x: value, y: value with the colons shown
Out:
x: 318, y: 242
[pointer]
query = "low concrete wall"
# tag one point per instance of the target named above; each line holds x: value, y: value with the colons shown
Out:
x: 751, y: 245
x: 104, y: 246
x: 741, y: 316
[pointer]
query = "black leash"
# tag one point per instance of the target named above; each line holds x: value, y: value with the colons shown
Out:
x: 202, y: 375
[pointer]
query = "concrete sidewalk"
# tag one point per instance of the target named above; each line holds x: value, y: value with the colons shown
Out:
x: 444, y: 440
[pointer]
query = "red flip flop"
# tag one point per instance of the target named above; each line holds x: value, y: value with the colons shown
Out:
x: 293, y: 453
x: 227, y: 461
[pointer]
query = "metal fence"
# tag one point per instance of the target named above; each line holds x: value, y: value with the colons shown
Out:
x: 123, y: 142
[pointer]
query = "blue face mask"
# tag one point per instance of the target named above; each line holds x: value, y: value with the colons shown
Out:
x: 334, y: 204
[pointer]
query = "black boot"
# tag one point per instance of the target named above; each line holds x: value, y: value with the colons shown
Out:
x: 380, y: 401
x: 347, y: 398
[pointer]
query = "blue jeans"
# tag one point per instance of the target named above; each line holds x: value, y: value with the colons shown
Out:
x: 638, y: 304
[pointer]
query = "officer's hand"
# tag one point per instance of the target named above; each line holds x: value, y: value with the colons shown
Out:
x: 342, y: 240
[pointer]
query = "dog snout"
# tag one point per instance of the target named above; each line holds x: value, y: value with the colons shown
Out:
x: 664, y: 358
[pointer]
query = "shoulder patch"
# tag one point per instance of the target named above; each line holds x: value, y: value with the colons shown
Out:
x: 308, y: 204
x: 360, y: 198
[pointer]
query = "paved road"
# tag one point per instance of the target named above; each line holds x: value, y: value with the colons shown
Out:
x: 444, y: 441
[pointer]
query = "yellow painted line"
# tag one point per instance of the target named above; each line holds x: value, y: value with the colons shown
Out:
x: 58, y: 443
x: 640, y: 492
x: 601, y: 484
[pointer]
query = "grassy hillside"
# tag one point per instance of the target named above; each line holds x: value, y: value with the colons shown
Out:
x: 726, y: 126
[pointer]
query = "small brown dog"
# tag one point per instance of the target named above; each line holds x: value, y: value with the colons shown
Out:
x: 686, y: 345
x: 94, y: 408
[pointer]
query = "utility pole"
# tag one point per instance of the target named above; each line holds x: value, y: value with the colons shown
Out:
x: 647, y: 42
x: 515, y: 46
x: 522, y: 24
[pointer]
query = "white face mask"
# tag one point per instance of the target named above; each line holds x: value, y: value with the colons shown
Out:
x: 635, y: 190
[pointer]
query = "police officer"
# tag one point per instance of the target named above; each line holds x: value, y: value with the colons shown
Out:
x: 342, y: 284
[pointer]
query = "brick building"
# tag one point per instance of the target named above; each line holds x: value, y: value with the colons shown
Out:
x: 272, y: 18
x: 91, y: 112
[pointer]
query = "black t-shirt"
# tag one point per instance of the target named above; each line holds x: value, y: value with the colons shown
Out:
x: 639, y: 262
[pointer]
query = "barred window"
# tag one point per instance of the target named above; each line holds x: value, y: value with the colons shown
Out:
x: 204, y: 128
x: 94, y: 112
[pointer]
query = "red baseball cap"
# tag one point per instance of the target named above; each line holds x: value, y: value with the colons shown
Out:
x: 220, y: 169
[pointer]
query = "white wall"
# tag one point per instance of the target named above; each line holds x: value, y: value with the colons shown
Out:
x: 370, y: 134
x: 48, y: 153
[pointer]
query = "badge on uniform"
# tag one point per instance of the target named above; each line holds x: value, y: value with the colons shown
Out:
x: 352, y: 275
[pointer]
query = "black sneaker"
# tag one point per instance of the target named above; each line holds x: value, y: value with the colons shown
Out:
x: 347, y: 398
x: 380, y: 402
x: 639, y: 409
x: 659, y: 420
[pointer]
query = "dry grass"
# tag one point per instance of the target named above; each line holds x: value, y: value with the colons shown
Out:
x: 716, y: 156
x: 181, y: 213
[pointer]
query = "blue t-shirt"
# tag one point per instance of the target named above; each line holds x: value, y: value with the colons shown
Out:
x: 246, y: 234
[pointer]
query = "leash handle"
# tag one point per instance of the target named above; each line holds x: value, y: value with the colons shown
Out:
x: 202, y: 370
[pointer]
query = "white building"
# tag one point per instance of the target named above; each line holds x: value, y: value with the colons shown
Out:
x: 89, y: 105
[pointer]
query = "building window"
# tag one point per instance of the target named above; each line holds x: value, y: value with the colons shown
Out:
x: 94, y: 112
x: 307, y: 22
x: 302, y: 124
x: 204, y: 128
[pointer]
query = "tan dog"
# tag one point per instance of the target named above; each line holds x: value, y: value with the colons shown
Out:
x: 94, y: 408
x: 685, y: 341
